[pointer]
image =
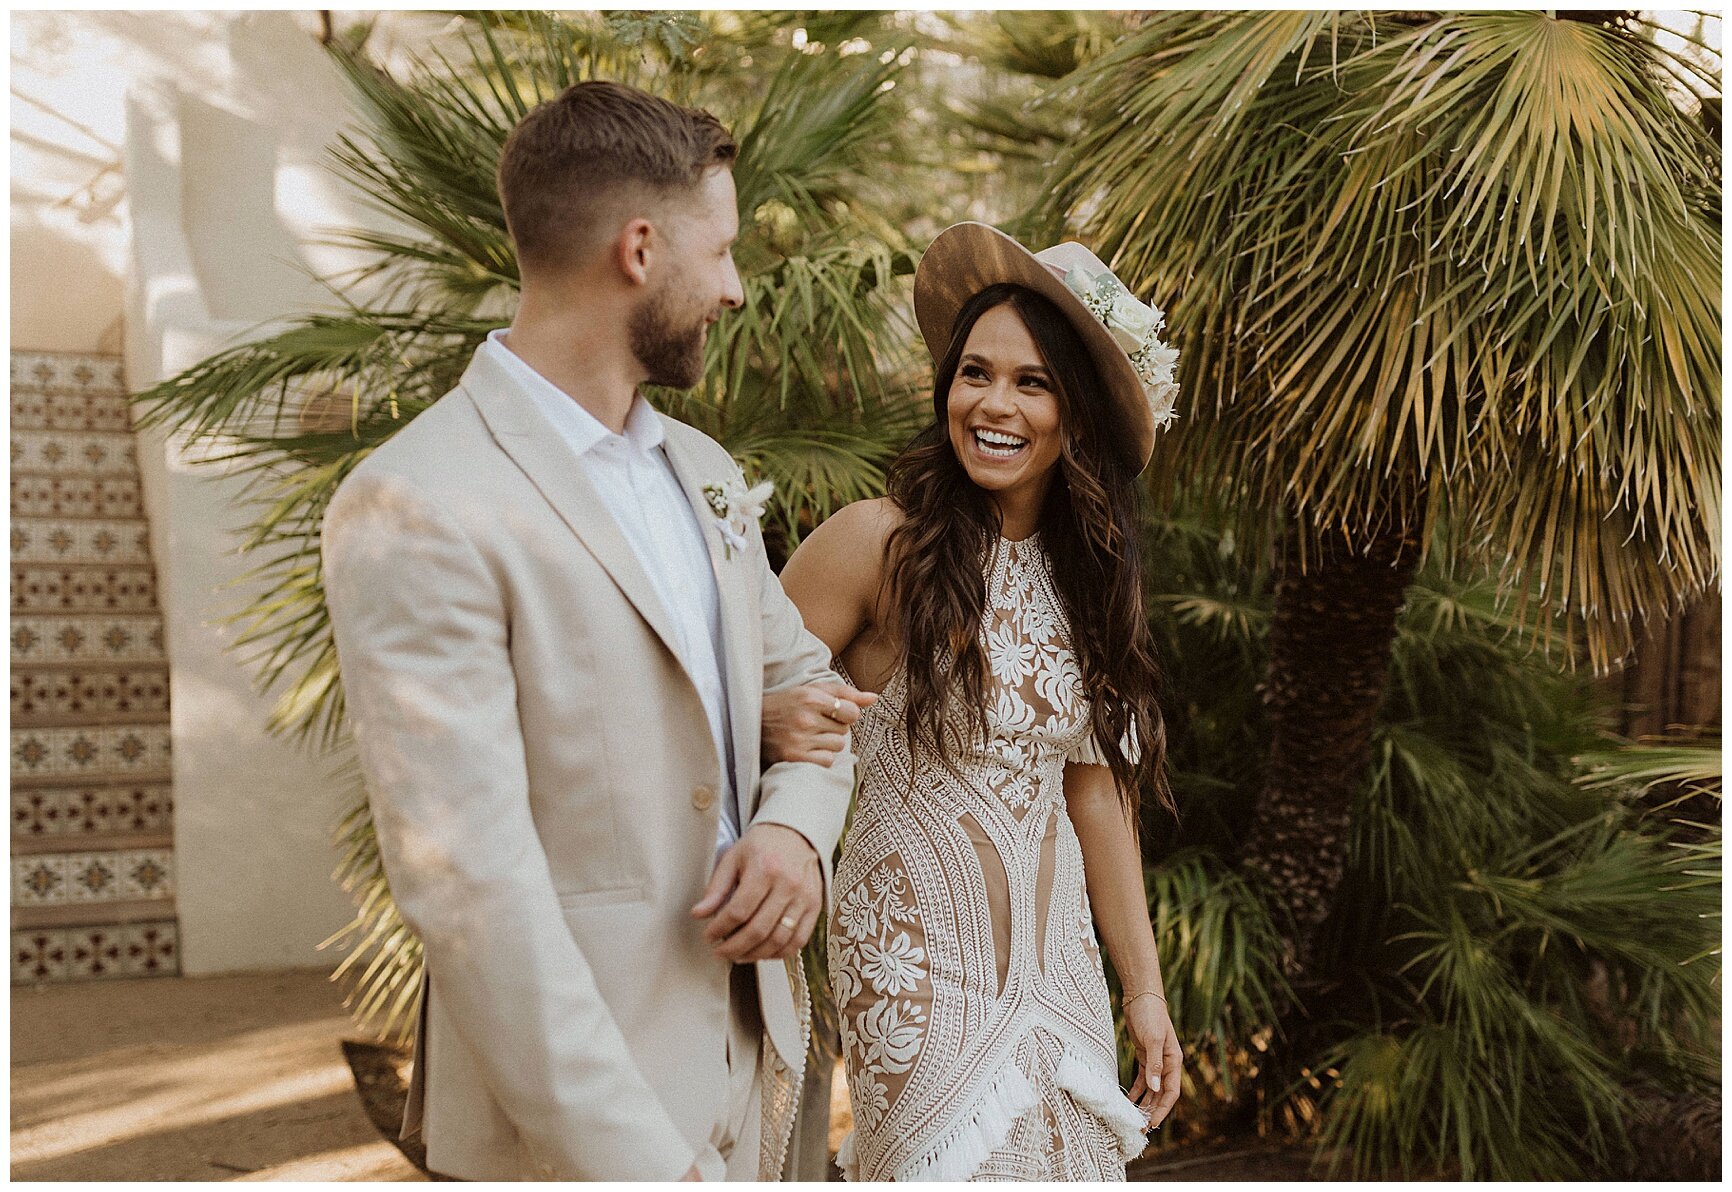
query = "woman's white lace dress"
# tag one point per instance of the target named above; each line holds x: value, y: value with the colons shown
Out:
x: 977, y: 1033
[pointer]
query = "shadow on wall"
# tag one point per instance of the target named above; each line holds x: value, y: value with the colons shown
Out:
x: 250, y: 266
x: 63, y: 292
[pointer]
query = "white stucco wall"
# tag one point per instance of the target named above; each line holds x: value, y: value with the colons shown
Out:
x: 165, y: 248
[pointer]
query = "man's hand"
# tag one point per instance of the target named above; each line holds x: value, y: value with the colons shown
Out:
x: 765, y: 896
x: 808, y: 723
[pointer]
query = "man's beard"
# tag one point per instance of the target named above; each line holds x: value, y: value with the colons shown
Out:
x: 670, y: 350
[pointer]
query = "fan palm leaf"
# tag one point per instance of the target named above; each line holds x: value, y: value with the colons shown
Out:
x: 1471, y: 254
x: 1440, y: 281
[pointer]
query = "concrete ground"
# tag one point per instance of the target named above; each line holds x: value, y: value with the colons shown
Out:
x: 212, y: 1078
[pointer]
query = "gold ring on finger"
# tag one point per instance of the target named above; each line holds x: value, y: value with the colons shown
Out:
x: 789, y: 922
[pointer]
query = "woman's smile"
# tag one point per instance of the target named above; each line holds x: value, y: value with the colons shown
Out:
x: 999, y: 445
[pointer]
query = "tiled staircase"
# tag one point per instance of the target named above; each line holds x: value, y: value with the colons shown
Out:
x: 92, y: 831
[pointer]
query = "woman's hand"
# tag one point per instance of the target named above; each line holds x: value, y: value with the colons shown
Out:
x: 809, y: 723
x: 1159, y: 1060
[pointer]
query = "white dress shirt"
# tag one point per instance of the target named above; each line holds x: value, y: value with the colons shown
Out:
x: 636, y: 482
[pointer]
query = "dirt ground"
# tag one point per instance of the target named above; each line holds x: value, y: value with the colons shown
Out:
x: 215, y: 1078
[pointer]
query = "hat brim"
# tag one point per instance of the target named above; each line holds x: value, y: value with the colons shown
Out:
x: 966, y: 258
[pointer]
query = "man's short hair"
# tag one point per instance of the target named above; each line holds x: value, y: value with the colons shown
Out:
x: 569, y: 160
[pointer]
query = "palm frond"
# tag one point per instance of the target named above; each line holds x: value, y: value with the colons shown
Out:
x: 1467, y: 259
x: 1692, y: 765
x: 1221, y: 954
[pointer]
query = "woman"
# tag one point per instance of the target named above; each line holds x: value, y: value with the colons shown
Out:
x: 994, y: 598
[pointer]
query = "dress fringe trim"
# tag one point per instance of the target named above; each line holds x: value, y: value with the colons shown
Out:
x: 846, y: 1158
x: 1100, y: 1095
x: 960, y: 1155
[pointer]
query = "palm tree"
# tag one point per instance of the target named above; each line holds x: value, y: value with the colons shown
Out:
x: 989, y: 141
x: 807, y: 386
x: 1445, y: 283
x: 1522, y: 971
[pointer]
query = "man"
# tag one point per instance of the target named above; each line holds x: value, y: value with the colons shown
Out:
x: 556, y: 625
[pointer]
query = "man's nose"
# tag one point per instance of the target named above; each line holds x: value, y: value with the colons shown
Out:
x: 733, y: 293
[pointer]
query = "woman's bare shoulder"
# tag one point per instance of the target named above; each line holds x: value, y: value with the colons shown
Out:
x: 848, y: 547
x: 835, y: 576
x: 860, y: 530
x: 876, y: 518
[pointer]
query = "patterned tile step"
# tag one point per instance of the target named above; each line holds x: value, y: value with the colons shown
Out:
x: 149, y: 949
x: 66, y: 372
x: 36, y: 408
x: 76, y: 813
x: 126, y: 875
x: 66, y: 697
x: 83, y: 589
x: 136, y: 638
x: 75, y: 755
x: 76, y: 496
x: 74, y: 452
x: 61, y: 541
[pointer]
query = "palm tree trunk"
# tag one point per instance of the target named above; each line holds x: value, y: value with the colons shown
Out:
x: 1329, y: 650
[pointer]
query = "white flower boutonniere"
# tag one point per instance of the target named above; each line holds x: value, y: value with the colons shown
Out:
x: 737, y: 508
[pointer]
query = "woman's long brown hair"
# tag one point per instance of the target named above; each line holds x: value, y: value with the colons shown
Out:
x: 1088, y: 525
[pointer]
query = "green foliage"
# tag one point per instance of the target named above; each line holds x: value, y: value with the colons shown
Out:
x: 1691, y: 766
x: 1514, y: 943
x: 987, y: 144
x: 1469, y: 260
x: 1222, y: 957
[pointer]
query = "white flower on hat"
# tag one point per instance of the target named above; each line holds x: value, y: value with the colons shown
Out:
x: 1161, y: 399
x: 1135, y: 326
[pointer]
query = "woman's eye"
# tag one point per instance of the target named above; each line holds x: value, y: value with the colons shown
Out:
x: 1034, y: 382
x: 974, y: 372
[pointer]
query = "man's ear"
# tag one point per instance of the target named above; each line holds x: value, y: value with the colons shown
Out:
x: 633, y: 247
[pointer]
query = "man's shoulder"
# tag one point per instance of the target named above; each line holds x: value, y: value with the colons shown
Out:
x: 430, y: 444
x: 435, y: 452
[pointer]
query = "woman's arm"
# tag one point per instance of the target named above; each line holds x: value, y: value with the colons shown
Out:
x: 833, y: 579
x: 1113, y: 869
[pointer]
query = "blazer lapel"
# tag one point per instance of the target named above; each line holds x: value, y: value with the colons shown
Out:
x: 534, y: 444
x: 739, y: 641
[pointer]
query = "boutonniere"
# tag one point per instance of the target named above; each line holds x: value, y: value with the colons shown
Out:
x: 737, y: 509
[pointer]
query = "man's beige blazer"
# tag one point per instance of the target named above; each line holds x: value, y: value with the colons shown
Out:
x: 544, y: 785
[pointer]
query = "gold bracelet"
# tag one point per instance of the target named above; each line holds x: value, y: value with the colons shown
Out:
x: 1125, y: 1003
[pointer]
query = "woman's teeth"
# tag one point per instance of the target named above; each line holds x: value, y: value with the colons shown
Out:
x: 997, y: 444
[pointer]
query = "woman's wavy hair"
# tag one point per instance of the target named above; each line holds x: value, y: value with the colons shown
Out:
x: 1088, y: 524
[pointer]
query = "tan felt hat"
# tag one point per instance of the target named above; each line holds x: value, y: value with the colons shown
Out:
x: 1120, y: 332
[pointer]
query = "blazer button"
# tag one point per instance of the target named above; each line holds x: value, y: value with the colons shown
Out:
x: 703, y: 797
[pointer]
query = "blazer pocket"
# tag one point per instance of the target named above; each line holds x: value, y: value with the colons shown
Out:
x: 586, y: 898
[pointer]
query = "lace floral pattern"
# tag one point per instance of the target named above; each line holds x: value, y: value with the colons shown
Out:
x: 977, y: 1035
